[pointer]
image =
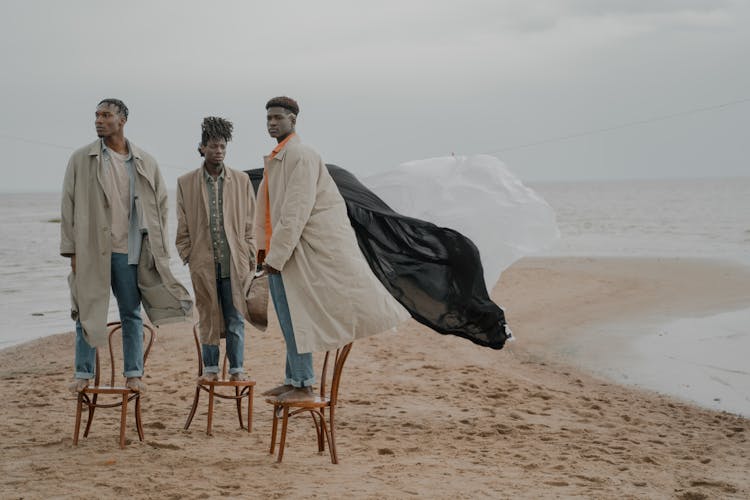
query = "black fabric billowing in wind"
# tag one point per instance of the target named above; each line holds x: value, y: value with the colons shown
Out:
x: 434, y: 272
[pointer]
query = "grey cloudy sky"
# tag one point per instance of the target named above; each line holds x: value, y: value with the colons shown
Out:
x: 380, y: 83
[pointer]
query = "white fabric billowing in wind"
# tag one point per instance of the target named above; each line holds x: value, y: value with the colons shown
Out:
x: 476, y: 196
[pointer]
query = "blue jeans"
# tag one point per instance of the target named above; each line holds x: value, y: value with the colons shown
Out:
x: 235, y: 332
x: 128, y: 296
x: 299, y: 367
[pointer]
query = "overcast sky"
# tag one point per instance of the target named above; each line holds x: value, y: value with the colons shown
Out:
x: 384, y: 82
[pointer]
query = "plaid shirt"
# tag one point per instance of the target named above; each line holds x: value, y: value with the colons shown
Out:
x: 215, y: 188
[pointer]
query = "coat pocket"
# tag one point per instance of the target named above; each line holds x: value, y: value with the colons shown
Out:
x: 160, y: 304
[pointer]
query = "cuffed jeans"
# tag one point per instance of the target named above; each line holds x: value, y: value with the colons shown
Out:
x: 235, y: 333
x: 299, y: 367
x: 125, y: 288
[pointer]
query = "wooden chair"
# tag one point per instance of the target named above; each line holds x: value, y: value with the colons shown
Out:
x: 316, y: 407
x: 89, y: 396
x: 242, y: 389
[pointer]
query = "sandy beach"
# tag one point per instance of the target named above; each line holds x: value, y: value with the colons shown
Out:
x: 420, y: 415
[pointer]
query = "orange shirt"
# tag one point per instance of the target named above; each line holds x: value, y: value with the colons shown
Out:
x: 268, y: 228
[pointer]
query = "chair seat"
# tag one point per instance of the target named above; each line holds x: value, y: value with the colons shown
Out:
x: 317, y: 402
x: 108, y: 389
x: 227, y: 383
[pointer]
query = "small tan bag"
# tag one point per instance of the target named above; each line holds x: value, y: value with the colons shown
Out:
x: 257, y: 301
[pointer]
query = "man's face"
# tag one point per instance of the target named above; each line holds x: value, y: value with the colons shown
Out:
x: 214, y: 151
x: 279, y: 121
x: 109, y: 121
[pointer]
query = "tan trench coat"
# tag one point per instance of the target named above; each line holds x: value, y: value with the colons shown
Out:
x: 193, y: 243
x: 85, y: 232
x: 333, y: 295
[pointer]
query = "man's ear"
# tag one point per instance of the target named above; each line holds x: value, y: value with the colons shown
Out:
x: 293, y: 118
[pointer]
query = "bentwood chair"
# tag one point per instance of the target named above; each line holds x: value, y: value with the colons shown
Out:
x: 316, y: 408
x: 242, y: 389
x: 89, y: 397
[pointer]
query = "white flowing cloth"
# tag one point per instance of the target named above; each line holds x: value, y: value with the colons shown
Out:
x: 478, y: 197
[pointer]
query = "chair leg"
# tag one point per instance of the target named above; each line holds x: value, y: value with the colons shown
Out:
x: 123, y: 418
x: 195, y: 407
x: 79, y: 405
x: 331, y: 446
x: 138, y: 422
x: 210, y: 409
x: 318, y: 431
x: 238, y: 400
x: 322, y: 417
x: 92, y: 407
x: 332, y: 441
x: 282, y: 441
x: 274, y: 427
x: 250, y: 409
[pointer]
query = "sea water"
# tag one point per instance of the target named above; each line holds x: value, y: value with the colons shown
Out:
x: 702, y: 359
x: 34, y: 294
x: 689, y: 218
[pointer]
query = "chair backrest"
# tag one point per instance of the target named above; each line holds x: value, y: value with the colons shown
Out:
x: 338, y: 358
x: 148, y: 340
x: 200, y: 355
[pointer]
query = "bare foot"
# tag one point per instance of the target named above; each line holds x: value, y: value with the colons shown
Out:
x: 78, y: 385
x: 208, y: 377
x: 135, y: 384
x: 278, y: 390
x: 237, y: 377
x: 298, y: 394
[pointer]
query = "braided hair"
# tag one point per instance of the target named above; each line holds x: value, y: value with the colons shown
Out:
x: 116, y: 102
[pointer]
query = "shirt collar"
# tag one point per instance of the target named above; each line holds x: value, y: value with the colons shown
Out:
x: 208, y: 176
x: 281, y: 145
x: 107, y: 150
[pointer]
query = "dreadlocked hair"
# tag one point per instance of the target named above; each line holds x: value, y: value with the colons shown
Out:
x: 116, y: 102
x: 214, y: 127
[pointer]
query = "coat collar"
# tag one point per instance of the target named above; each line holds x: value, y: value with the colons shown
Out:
x: 294, y: 140
x: 227, y: 172
x: 95, y: 148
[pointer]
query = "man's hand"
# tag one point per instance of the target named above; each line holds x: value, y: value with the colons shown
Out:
x: 270, y: 270
x: 73, y: 263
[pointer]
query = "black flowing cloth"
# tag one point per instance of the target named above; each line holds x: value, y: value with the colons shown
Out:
x: 434, y: 272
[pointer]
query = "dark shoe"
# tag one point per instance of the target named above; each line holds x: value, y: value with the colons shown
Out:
x: 208, y: 377
x: 135, y: 384
x: 297, y: 395
x: 78, y: 385
x: 276, y: 391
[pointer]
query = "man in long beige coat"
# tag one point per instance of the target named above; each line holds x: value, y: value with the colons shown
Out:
x: 215, y: 210
x: 323, y: 290
x: 114, y: 230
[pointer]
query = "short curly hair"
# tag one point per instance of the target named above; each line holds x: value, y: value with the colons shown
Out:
x: 214, y: 127
x: 284, y: 102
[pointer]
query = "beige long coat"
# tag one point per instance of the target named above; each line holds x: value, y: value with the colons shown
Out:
x: 333, y: 295
x: 85, y: 231
x: 194, y: 245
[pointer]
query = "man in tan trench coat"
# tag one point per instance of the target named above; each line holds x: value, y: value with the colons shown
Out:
x: 215, y: 210
x: 323, y: 290
x: 114, y: 230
